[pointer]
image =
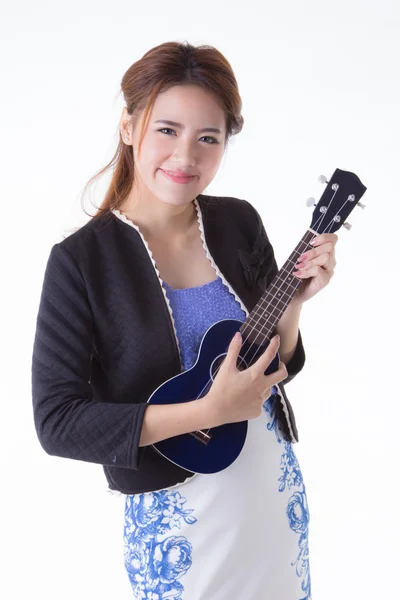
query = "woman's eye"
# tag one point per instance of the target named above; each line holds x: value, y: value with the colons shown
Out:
x: 165, y: 129
x: 214, y: 141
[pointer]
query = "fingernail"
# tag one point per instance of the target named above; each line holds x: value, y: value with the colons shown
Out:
x: 237, y: 336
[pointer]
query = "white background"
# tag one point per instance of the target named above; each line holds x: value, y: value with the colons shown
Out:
x: 320, y: 89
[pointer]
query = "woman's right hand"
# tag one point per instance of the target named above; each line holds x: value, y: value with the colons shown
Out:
x: 239, y: 395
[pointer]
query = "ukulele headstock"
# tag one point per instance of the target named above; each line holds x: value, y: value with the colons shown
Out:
x: 341, y: 195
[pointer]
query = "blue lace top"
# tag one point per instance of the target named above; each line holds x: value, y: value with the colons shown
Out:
x: 195, y: 309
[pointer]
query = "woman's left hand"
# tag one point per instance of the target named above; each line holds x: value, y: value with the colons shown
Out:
x: 316, y: 267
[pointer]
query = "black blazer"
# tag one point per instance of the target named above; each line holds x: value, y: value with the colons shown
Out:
x: 105, y: 339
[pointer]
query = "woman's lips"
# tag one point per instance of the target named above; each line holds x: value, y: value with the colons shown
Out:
x: 177, y: 179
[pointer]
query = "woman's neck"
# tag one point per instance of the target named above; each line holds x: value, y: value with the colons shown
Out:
x: 162, y: 221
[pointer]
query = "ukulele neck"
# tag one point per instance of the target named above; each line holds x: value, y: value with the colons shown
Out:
x: 262, y: 320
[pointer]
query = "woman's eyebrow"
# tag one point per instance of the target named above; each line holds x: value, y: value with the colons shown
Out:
x: 175, y: 124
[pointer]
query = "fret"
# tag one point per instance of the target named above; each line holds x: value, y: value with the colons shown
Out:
x: 273, y: 311
x: 278, y: 286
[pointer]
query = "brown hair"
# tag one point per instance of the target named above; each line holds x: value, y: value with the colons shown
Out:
x: 168, y: 64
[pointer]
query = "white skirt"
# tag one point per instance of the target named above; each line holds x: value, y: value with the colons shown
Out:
x: 240, y: 534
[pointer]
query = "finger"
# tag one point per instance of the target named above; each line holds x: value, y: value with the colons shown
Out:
x: 267, y: 392
x: 323, y: 238
x: 333, y: 259
x: 330, y: 264
x: 233, y: 351
x: 278, y: 375
x: 283, y: 373
x: 323, y: 275
x: 320, y: 260
x: 327, y: 248
x: 266, y: 357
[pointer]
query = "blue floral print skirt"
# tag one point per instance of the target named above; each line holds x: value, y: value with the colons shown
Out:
x: 240, y: 534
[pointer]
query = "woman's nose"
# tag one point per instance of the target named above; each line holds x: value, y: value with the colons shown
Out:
x: 185, y: 154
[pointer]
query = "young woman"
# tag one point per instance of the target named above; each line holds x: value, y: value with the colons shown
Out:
x: 126, y: 300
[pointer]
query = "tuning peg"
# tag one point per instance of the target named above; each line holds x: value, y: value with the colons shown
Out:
x: 310, y: 202
x: 322, y: 179
x: 361, y: 205
x: 347, y: 226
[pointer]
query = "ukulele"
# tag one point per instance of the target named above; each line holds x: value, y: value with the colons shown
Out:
x: 212, y: 450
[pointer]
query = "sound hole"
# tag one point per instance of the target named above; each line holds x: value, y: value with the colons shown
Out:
x: 240, y: 364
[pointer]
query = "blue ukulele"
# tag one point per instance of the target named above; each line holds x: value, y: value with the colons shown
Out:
x: 215, y: 449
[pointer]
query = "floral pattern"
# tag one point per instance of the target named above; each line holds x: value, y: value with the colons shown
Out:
x: 154, y: 562
x: 270, y: 407
x: 297, y: 507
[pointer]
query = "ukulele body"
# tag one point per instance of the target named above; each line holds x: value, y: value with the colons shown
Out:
x: 212, y: 450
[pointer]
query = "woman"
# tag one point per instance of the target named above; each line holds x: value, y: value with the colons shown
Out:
x: 125, y: 303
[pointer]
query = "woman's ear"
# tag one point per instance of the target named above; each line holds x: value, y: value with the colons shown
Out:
x: 124, y: 126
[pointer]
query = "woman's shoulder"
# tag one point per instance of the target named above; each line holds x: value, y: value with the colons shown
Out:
x: 92, y: 227
x: 81, y: 246
x: 224, y: 201
x: 220, y: 207
x: 81, y: 239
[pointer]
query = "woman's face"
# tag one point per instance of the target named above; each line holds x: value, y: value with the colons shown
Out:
x: 187, y: 148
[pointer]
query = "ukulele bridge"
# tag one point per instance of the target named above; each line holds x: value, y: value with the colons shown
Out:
x: 201, y: 436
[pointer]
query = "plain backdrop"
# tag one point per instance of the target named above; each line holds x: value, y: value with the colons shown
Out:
x: 320, y: 88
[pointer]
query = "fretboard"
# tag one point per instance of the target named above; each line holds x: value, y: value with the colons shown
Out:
x: 260, y: 325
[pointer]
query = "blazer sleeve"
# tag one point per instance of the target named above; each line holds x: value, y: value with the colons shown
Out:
x: 68, y: 421
x: 296, y: 363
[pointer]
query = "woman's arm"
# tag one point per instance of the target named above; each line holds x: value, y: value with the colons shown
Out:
x: 288, y: 329
x: 69, y: 422
x: 164, y: 421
